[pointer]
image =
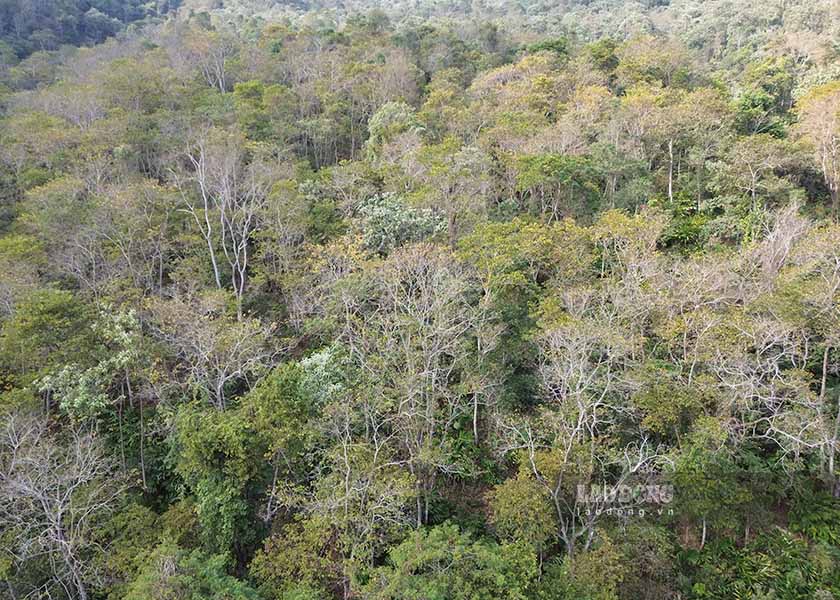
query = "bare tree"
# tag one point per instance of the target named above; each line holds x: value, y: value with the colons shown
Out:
x: 138, y: 231
x: 414, y: 347
x: 567, y: 446
x: 53, y: 491
x: 232, y: 187
x: 367, y: 491
x: 819, y: 124
x: 804, y: 414
x: 214, y: 351
x: 195, y: 50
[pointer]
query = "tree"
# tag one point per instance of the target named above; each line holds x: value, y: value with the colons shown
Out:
x: 21, y: 259
x: 136, y: 222
x: 819, y: 124
x: 565, y: 445
x: 750, y: 165
x: 216, y: 353
x: 297, y: 559
x: 45, y: 25
x: 219, y: 459
x: 456, y: 179
x: 232, y: 188
x: 359, y: 502
x: 173, y: 572
x: 325, y: 283
x: 54, y: 492
x: 60, y: 216
x: 212, y: 52
x: 588, y: 337
x: 766, y: 96
x: 706, y: 472
x: 284, y: 408
x: 645, y: 58
x: 593, y: 575
x: 84, y: 392
x: 412, y: 350
x: 131, y: 533
x: 391, y: 120
x: 388, y: 224
x: 444, y: 562
x: 521, y: 512
x: 49, y: 329
x: 366, y: 494
x: 559, y: 186
x: 707, y: 121
x: 514, y: 262
x: 807, y: 420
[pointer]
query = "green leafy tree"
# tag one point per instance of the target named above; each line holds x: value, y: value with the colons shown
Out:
x: 50, y: 328
x: 444, y: 562
x: 455, y: 181
x: 596, y: 574
x: 521, y: 511
x: 559, y: 186
x: 220, y: 459
x: 387, y: 223
x: 172, y: 572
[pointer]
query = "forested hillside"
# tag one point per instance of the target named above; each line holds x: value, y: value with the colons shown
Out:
x: 419, y: 300
x: 27, y: 26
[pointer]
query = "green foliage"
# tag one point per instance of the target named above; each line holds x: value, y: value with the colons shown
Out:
x: 668, y: 406
x: 688, y: 227
x: 171, y: 572
x: 318, y: 274
x: 390, y: 121
x: 775, y: 565
x: 603, y: 53
x: 446, y: 563
x: 766, y: 97
x: 283, y: 407
x: 818, y: 517
x: 220, y: 458
x: 180, y: 524
x: 559, y: 46
x: 515, y: 260
x: 559, y: 186
x: 592, y: 575
x: 323, y: 220
x: 14, y: 400
x: 296, y: 561
x: 47, y: 25
x: 84, y: 392
x: 132, y: 533
x: 711, y: 485
x: 649, y: 552
x: 387, y: 223
x: 50, y: 328
x: 521, y: 511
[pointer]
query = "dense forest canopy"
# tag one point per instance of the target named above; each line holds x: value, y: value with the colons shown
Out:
x: 27, y: 26
x: 419, y: 300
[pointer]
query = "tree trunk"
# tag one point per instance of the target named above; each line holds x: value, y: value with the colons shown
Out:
x: 419, y: 508
x: 833, y: 452
x: 452, y: 228
x: 671, y: 171
x: 475, y: 418
x: 142, y: 429
x: 699, y: 184
x: 209, y: 238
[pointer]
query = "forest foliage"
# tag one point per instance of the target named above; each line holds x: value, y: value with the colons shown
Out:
x: 419, y: 300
